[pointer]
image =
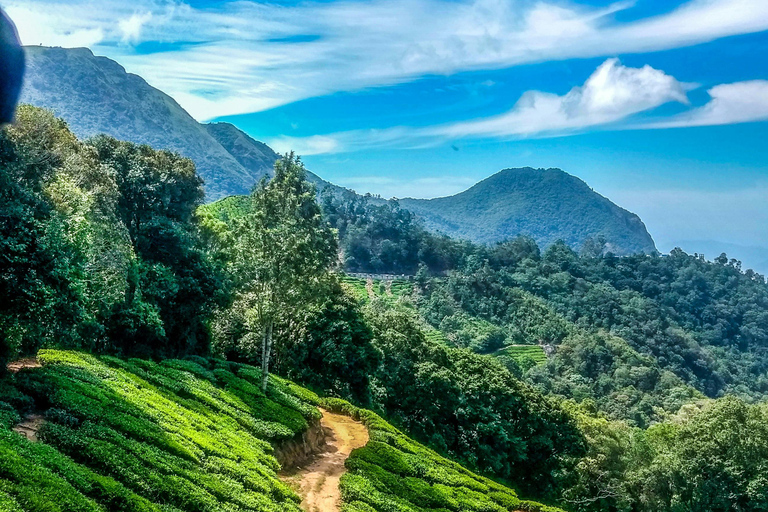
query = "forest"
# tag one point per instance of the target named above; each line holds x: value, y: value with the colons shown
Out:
x: 651, y: 396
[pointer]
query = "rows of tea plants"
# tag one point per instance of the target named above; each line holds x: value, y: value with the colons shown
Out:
x: 196, y: 435
x: 138, y: 435
x: 393, y: 473
x: 520, y: 353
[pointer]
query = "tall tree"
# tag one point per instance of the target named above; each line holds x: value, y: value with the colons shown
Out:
x: 282, y: 251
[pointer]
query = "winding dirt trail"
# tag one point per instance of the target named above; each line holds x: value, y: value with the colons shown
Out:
x: 318, y: 483
x: 31, y: 423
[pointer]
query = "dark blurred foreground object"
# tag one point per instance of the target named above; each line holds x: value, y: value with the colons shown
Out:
x: 11, y: 68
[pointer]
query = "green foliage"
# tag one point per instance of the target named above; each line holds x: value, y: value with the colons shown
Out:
x: 328, y: 346
x: 137, y: 435
x: 377, y: 236
x: 392, y: 472
x: 101, y: 246
x: 468, y: 406
x: 194, y: 435
x: 631, y: 333
x: 280, y: 252
x: 710, y: 457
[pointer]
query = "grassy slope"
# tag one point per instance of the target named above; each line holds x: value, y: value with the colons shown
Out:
x: 133, y: 435
x: 521, y: 352
x: 405, y: 289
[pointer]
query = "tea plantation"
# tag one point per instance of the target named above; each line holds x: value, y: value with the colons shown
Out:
x: 196, y: 435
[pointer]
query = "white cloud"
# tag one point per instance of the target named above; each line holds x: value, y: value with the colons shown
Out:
x: 739, y: 102
x: 245, y: 60
x: 131, y: 27
x: 612, y: 93
x: 54, y: 26
x: 314, y: 145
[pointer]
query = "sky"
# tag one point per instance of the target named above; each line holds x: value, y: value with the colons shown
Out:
x: 660, y: 105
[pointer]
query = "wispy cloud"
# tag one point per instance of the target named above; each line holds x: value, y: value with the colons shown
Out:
x: 305, y: 146
x: 739, y: 102
x: 252, y: 56
x: 611, y: 94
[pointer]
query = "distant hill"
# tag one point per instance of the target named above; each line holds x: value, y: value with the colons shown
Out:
x: 96, y: 95
x: 546, y: 204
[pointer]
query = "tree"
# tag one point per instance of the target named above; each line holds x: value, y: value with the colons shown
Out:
x: 282, y: 250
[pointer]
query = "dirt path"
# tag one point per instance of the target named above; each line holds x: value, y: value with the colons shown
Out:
x: 17, y: 366
x: 369, y: 288
x: 32, y: 422
x: 318, y: 483
x: 30, y: 426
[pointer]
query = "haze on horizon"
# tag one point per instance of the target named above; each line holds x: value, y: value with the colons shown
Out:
x: 662, y: 106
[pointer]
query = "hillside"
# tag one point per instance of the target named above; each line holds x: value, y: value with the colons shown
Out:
x: 198, y: 435
x: 256, y: 157
x: 96, y: 95
x: 546, y: 204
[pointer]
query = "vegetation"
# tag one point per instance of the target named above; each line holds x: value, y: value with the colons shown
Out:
x: 467, y: 406
x: 281, y: 252
x: 652, y: 396
x: 195, y: 435
x: 707, y: 457
x: 393, y: 472
x: 101, y: 248
x: 136, y: 435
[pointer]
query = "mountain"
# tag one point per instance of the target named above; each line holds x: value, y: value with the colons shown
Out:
x: 96, y: 95
x: 546, y: 204
x: 256, y: 157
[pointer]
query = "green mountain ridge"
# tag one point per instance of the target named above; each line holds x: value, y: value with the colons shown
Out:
x: 546, y: 204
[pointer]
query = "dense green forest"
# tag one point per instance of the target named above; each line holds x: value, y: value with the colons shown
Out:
x: 587, y: 381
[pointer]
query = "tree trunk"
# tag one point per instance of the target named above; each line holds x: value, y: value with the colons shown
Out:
x: 266, y: 351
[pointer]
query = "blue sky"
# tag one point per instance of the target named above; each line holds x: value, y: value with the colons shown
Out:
x: 661, y: 105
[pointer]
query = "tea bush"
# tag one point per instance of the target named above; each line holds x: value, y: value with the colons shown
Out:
x: 393, y: 473
x: 196, y: 436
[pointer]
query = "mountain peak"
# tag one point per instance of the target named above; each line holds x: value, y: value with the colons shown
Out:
x: 546, y: 204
